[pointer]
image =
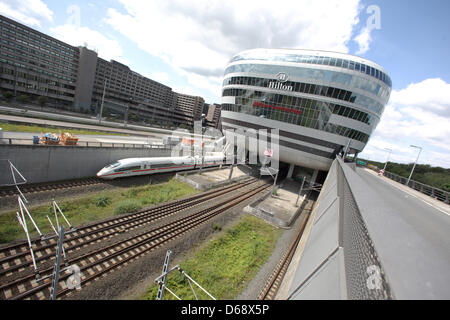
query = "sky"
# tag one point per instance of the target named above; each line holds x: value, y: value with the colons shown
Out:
x: 186, y: 44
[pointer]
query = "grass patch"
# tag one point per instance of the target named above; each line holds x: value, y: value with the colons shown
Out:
x: 127, y: 206
x: 226, y: 265
x: 12, y: 127
x: 96, y: 206
x: 102, y: 201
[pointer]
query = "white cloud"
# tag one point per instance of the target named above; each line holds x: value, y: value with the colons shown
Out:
x: 417, y: 115
x: 199, y: 37
x: 432, y: 95
x: 364, y: 38
x: 161, y: 77
x: 29, y: 12
x: 83, y: 36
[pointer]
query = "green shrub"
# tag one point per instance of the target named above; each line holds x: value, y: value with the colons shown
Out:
x: 23, y: 98
x: 127, y: 206
x: 132, y: 193
x: 8, y: 95
x: 102, y: 201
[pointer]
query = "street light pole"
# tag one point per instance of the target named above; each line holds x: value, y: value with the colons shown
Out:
x: 412, y: 171
x: 385, y: 165
x: 103, y: 101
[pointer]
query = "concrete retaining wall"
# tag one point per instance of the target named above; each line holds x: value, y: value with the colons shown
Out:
x: 49, y: 163
x: 338, y: 250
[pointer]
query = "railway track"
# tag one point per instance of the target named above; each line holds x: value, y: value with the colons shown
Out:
x: 15, y: 257
x: 6, y: 192
x: 101, y: 261
x: 270, y: 290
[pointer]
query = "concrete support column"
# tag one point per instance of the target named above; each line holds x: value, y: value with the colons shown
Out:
x: 291, y: 171
x: 314, y: 176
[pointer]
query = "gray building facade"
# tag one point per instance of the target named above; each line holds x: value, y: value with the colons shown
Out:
x: 33, y: 64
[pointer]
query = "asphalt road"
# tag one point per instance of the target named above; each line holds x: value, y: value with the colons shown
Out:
x: 69, y: 124
x: 413, y: 238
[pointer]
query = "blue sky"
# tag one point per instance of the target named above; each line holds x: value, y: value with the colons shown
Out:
x: 186, y: 44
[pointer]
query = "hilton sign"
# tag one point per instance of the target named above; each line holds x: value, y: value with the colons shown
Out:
x: 279, y: 85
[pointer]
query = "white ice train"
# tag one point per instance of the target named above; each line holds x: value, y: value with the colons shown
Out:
x: 143, y: 166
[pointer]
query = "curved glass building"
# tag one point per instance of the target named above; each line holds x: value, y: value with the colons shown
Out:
x: 320, y: 101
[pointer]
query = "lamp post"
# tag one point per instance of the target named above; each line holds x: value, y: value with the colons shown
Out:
x: 103, y: 101
x: 412, y: 171
x: 385, y: 165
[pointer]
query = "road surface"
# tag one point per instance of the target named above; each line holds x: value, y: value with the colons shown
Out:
x: 412, y: 236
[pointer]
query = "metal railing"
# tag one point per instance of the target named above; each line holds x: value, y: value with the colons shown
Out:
x: 433, y: 192
x: 82, y: 143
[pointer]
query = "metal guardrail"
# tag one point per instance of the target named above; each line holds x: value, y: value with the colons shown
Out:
x: 82, y: 143
x: 433, y: 192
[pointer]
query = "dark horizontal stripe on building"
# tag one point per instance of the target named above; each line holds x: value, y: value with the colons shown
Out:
x: 298, y: 147
x: 286, y: 134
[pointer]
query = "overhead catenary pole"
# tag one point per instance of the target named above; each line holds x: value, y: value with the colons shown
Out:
x: 162, y: 282
x: 231, y: 169
x: 55, y: 279
x: 300, y: 191
x: 274, y: 183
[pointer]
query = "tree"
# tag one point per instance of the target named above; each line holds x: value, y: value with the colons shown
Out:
x: 23, y: 98
x: 8, y: 95
x: 42, y: 100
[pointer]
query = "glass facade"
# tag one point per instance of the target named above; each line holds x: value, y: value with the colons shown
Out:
x: 331, y: 77
x: 313, y: 98
x: 325, y: 91
x: 314, y: 59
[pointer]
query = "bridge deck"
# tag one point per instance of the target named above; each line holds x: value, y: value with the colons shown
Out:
x: 409, y: 233
x: 412, y: 235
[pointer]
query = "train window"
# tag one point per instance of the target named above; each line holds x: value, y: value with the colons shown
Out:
x: 114, y: 165
x: 128, y: 168
x: 163, y: 165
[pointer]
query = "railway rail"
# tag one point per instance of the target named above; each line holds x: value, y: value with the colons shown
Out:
x: 15, y: 257
x: 39, y: 187
x: 270, y: 290
x: 101, y: 261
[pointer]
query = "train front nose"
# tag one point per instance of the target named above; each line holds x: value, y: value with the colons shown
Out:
x: 101, y: 173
